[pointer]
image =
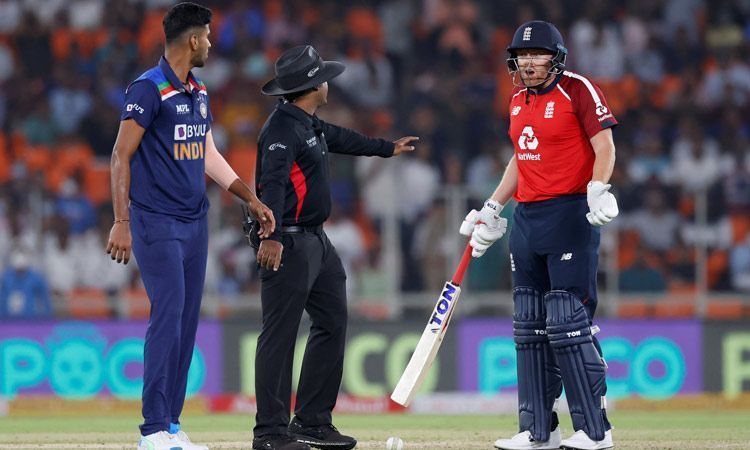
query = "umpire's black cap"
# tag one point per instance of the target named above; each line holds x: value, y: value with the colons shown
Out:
x: 300, y: 68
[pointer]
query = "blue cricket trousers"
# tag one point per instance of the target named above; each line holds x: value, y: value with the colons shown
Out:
x: 171, y: 255
x: 554, y: 247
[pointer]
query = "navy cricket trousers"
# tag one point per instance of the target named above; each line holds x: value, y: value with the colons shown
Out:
x: 554, y: 247
x: 171, y: 255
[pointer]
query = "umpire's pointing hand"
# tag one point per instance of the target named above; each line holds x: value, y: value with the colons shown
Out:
x: 402, y: 145
x: 269, y: 254
x: 120, y: 242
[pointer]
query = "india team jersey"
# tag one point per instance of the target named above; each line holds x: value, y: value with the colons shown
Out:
x: 550, y: 130
x: 167, y: 172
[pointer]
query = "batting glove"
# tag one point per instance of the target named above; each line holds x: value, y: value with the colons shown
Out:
x: 602, y: 204
x: 484, y: 227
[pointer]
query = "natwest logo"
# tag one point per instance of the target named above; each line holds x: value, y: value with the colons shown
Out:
x: 527, y: 140
x: 183, y: 132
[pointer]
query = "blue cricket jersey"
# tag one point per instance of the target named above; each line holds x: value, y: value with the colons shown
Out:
x: 167, y: 172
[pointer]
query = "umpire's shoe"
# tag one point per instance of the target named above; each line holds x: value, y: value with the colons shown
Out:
x: 278, y: 442
x: 325, y: 437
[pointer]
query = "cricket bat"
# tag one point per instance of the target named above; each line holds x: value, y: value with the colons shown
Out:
x: 432, y: 336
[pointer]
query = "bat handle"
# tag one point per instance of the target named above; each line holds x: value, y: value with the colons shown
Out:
x: 461, y: 269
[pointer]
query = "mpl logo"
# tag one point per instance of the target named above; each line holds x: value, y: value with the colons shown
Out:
x: 183, y: 109
x: 442, y: 310
x: 527, y: 140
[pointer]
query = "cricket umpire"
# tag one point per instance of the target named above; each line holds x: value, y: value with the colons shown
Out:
x: 300, y: 269
x: 561, y: 129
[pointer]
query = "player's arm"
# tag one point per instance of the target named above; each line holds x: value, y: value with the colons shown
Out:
x: 604, y: 149
x: 128, y: 139
x: 222, y: 173
x: 508, y: 183
x: 486, y: 226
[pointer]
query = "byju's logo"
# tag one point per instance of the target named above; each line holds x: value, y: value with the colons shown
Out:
x: 183, y: 132
x: 134, y: 107
x: 180, y: 132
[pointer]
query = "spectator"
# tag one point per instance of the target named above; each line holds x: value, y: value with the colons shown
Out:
x: 24, y: 292
x: 655, y: 222
x: 641, y: 276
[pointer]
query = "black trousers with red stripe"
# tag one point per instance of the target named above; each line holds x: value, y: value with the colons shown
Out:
x: 310, y: 279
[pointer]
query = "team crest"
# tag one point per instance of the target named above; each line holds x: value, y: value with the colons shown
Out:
x: 204, y: 110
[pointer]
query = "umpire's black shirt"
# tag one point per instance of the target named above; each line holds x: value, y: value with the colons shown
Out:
x: 292, y: 165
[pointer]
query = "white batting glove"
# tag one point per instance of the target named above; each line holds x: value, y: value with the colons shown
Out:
x: 602, y: 204
x: 484, y: 227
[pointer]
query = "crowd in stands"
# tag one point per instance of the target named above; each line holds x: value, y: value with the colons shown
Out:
x: 676, y: 74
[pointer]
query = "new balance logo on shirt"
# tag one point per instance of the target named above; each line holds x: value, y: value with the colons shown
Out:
x: 566, y: 257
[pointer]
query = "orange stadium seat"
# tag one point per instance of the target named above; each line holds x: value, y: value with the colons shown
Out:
x: 672, y: 309
x: 88, y: 303
x: 725, y: 309
x: 633, y: 309
x: 242, y: 159
x: 5, y: 160
x: 740, y: 227
x: 96, y: 183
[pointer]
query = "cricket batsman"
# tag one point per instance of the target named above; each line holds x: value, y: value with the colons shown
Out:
x: 561, y: 129
x: 163, y: 150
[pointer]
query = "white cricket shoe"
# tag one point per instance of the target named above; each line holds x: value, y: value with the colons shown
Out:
x: 186, y: 443
x: 161, y: 440
x: 524, y: 441
x: 580, y: 441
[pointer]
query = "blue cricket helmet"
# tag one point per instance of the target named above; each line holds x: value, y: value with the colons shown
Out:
x: 538, y: 34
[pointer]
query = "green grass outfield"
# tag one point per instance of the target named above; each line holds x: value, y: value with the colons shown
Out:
x: 633, y: 431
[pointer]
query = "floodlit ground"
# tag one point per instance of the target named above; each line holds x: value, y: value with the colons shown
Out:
x: 633, y: 431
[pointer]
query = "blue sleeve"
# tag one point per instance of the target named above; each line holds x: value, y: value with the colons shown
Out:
x: 142, y: 103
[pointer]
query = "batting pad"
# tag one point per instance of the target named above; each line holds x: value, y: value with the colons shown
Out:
x: 539, y: 382
x: 583, y: 370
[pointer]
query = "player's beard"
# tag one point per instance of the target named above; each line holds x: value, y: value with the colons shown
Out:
x: 199, y: 60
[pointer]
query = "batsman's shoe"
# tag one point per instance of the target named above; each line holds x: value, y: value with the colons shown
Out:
x: 278, y: 442
x: 325, y: 437
x: 186, y: 443
x: 160, y: 440
x: 524, y: 441
x: 580, y: 441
